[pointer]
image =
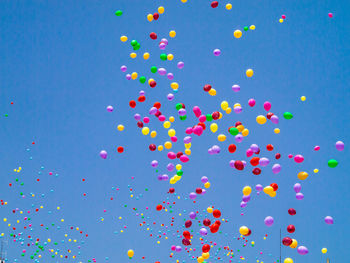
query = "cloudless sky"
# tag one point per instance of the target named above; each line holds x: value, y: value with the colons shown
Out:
x: 60, y: 66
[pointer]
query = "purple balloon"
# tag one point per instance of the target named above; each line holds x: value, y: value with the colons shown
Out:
x: 170, y: 96
x: 123, y: 68
x: 153, y: 111
x: 339, y: 145
x: 237, y: 109
x: 154, y: 163
x: 243, y: 204
x: 137, y: 117
x: 160, y: 177
x: 193, y: 195
x: 274, y: 119
x: 103, y: 154
x: 236, y: 88
x: 203, y: 231
x: 203, y: 192
x: 170, y: 76
x: 162, y: 71
x: 164, y: 40
x: 329, y: 220
x: 299, y: 196
x: 216, y: 149
x: 297, y: 187
x: 232, y: 163
x: 269, y: 220
x: 276, y: 168
x: 246, y: 198
x: 180, y: 65
x: 170, y: 167
x: 302, y: 250
x: 217, y: 52
x: 128, y: 76
x: 204, y: 179
x: 259, y: 187
x: 254, y: 148
x: 239, y: 138
x: 187, y: 139
x: 193, y: 215
x: 178, y: 249
x: 264, y: 162
x: 109, y: 108
x: 182, y: 112
x: 162, y: 45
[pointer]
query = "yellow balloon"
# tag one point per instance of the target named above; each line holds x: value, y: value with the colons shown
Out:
x: 245, y: 132
x: 224, y: 105
x: 200, y: 259
x: 315, y: 171
x: 252, y: 27
x: 150, y: 17
x: 222, y: 137
x: 161, y: 10
x: 228, y: 6
x: 277, y: 131
x: 133, y: 55
x: 134, y: 75
x: 166, y: 124
x: 281, y: 20
x: 205, y: 255
x: 324, y: 250
x: 243, y: 230
x: 303, y: 175
x: 172, y: 33
x: 130, y: 253
x: 168, y: 145
x: 210, y: 210
x: 178, y: 166
x: 212, y: 92
x: 146, y: 55
x: 240, y: 128
x: 188, y: 145
x: 273, y: 194
x: 145, y: 130
x: 228, y: 110
x: 160, y: 148
x: 188, y: 151
x: 249, y: 73
x: 237, y: 33
x: 303, y: 98
x: 172, y: 181
x: 268, y: 190
x: 261, y: 119
x: 213, y: 127
x: 149, y: 81
x: 153, y: 134
x: 171, y: 133
x: 247, y: 190
x: 294, y: 243
x: 183, y: 1
x: 237, y: 105
x: 288, y: 260
x: 170, y: 57
x: 171, y: 119
x: 120, y: 127
x: 220, y: 115
x: 123, y: 38
x: 174, y: 85
x: 207, y: 185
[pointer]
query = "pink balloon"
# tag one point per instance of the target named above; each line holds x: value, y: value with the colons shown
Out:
x: 267, y: 105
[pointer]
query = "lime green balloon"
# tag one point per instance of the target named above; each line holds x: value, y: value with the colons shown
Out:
x: 332, y: 163
x: 163, y: 56
x: 142, y: 79
x: 178, y: 106
x: 245, y: 28
x: 183, y: 117
x: 234, y: 131
x: 154, y: 69
x: 209, y: 117
x: 118, y: 12
x: 133, y: 42
x: 137, y: 46
x: 287, y: 115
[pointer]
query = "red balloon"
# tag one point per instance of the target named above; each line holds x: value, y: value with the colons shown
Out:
x: 238, y: 123
x: 155, y: 16
x: 206, y: 222
x: 153, y: 36
x: 216, y: 213
x: 152, y: 84
x: 274, y: 186
x: 152, y: 147
x: 159, y: 207
x: 178, y: 155
x: 157, y: 105
x: 171, y: 190
x: 269, y: 115
x: 205, y: 248
x: 120, y: 149
x: 269, y: 147
x: 207, y: 87
x: 249, y: 233
x: 188, y: 223
x: 256, y: 171
x: 292, y: 211
x: 239, y: 165
x: 214, y: 4
x: 199, y: 191
x: 141, y: 98
x: 277, y: 156
x: 287, y: 241
x: 132, y: 104
x: 255, y: 161
x: 218, y: 222
x: 214, y: 228
x: 140, y: 124
x: 291, y: 229
x: 232, y: 148
x: 186, y: 234
x: 186, y: 242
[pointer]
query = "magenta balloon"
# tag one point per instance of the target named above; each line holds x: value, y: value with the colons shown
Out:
x: 329, y: 220
x: 339, y: 145
x: 103, y: 154
x: 274, y: 119
x: 259, y: 187
x: 299, y: 196
x: 297, y: 187
x: 302, y: 250
x: 154, y: 163
x: 276, y: 168
x: 204, y: 179
x: 180, y: 65
x: 192, y: 215
x: 298, y: 158
x: 109, y: 108
x: 193, y: 195
x: 243, y: 204
x: 267, y: 105
x: 251, y: 102
x: 249, y: 152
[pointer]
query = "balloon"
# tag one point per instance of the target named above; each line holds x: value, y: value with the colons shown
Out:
x: 213, y: 127
x: 329, y: 220
x: 332, y: 163
x: 259, y: 187
x: 287, y: 241
x: 294, y: 244
x: 247, y: 190
x: 303, y: 175
x: 203, y: 231
x: 267, y: 105
x: 186, y: 234
x: 292, y: 211
x: 291, y: 228
x: 193, y: 214
x: 214, y: 228
x: 298, y: 158
x: 299, y: 196
x: 249, y: 73
x: 130, y: 253
x: 239, y: 165
x: 324, y: 250
x: 103, y: 154
x: 188, y: 223
x: 204, y: 179
x: 251, y: 102
x: 237, y: 33
x: 269, y: 220
x: 302, y: 250
x: 288, y: 260
x: 339, y: 145
x: 216, y: 213
x: 297, y: 187
x: 268, y: 190
x: 236, y: 88
x: 109, y: 108
x: 287, y: 115
x: 217, y: 52
x: 260, y: 119
x: 276, y: 168
x: 205, y: 248
x: 243, y: 230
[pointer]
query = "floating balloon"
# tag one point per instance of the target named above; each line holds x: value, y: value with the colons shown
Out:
x: 269, y: 220
x: 329, y: 220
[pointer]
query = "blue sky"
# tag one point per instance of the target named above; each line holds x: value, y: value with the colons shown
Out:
x: 60, y: 65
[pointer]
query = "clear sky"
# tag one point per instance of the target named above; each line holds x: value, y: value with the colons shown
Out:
x: 60, y: 66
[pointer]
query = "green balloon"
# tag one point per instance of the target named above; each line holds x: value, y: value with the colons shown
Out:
x: 183, y: 118
x: 179, y: 172
x: 287, y: 115
x: 209, y: 117
x: 118, y: 12
x: 234, y: 131
x: 245, y: 28
x: 153, y: 69
x: 142, y: 79
x: 332, y: 163
x: 178, y: 106
x: 163, y: 56
x: 133, y: 42
x: 137, y: 46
